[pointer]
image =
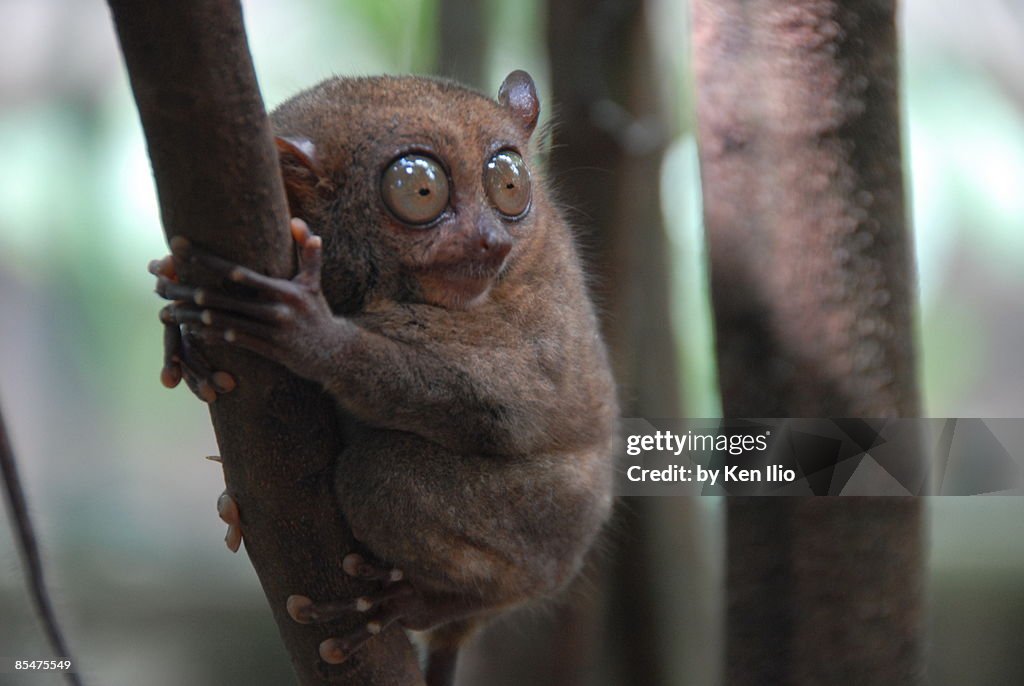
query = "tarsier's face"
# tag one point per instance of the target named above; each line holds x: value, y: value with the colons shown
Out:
x: 473, y: 229
x: 435, y: 176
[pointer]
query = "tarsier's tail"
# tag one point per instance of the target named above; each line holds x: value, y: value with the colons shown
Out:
x: 26, y: 540
x: 443, y: 645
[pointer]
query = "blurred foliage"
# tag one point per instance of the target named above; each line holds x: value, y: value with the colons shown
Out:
x: 113, y: 463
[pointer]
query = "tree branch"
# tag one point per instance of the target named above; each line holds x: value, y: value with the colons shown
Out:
x: 219, y: 185
x: 812, y: 286
x: 29, y: 548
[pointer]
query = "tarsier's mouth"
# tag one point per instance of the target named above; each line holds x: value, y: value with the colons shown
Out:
x: 470, y: 283
x: 468, y: 270
x: 460, y: 285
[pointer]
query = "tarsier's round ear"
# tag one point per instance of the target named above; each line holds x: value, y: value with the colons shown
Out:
x: 300, y: 170
x: 518, y: 95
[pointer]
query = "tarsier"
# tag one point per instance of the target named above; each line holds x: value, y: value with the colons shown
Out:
x: 440, y: 301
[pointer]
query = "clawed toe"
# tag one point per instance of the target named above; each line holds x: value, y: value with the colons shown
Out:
x: 380, y: 608
x: 299, y: 608
x: 227, y: 509
x: 304, y: 611
x: 331, y: 652
x: 337, y: 650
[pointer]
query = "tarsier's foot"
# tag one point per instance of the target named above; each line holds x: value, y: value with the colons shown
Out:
x: 395, y: 600
x: 382, y: 607
x: 227, y: 508
x: 182, y: 360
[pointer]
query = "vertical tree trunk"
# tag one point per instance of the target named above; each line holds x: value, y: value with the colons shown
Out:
x: 610, y: 137
x: 219, y: 185
x: 812, y: 288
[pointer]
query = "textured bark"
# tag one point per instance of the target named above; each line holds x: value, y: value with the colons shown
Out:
x: 219, y: 185
x: 812, y: 288
x: 800, y: 154
x: 824, y: 591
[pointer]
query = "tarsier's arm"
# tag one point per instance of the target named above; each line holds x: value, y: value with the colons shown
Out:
x: 500, y: 396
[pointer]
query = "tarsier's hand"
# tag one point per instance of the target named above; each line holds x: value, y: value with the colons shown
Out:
x: 284, y: 320
x: 181, y: 359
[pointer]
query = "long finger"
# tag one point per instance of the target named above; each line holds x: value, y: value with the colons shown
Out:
x: 277, y: 289
x: 180, y: 362
x: 217, y: 320
x: 310, y: 253
x: 170, y: 374
x: 255, y: 344
x: 270, y: 313
x: 173, y: 290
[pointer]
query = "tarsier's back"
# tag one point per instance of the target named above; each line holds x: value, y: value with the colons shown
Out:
x: 448, y: 318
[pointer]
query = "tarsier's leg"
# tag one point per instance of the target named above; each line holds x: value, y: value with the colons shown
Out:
x: 484, y: 536
x: 382, y: 607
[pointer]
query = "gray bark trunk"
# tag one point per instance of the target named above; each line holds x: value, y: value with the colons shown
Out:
x: 219, y: 185
x: 813, y: 294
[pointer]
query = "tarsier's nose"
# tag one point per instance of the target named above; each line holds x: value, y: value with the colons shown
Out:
x: 492, y: 242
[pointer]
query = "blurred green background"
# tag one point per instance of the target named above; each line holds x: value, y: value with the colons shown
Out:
x: 124, y: 502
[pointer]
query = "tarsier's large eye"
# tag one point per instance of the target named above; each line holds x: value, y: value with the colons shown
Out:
x: 415, y: 188
x: 507, y: 182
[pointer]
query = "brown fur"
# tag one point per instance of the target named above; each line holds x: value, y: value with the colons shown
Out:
x: 480, y: 458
